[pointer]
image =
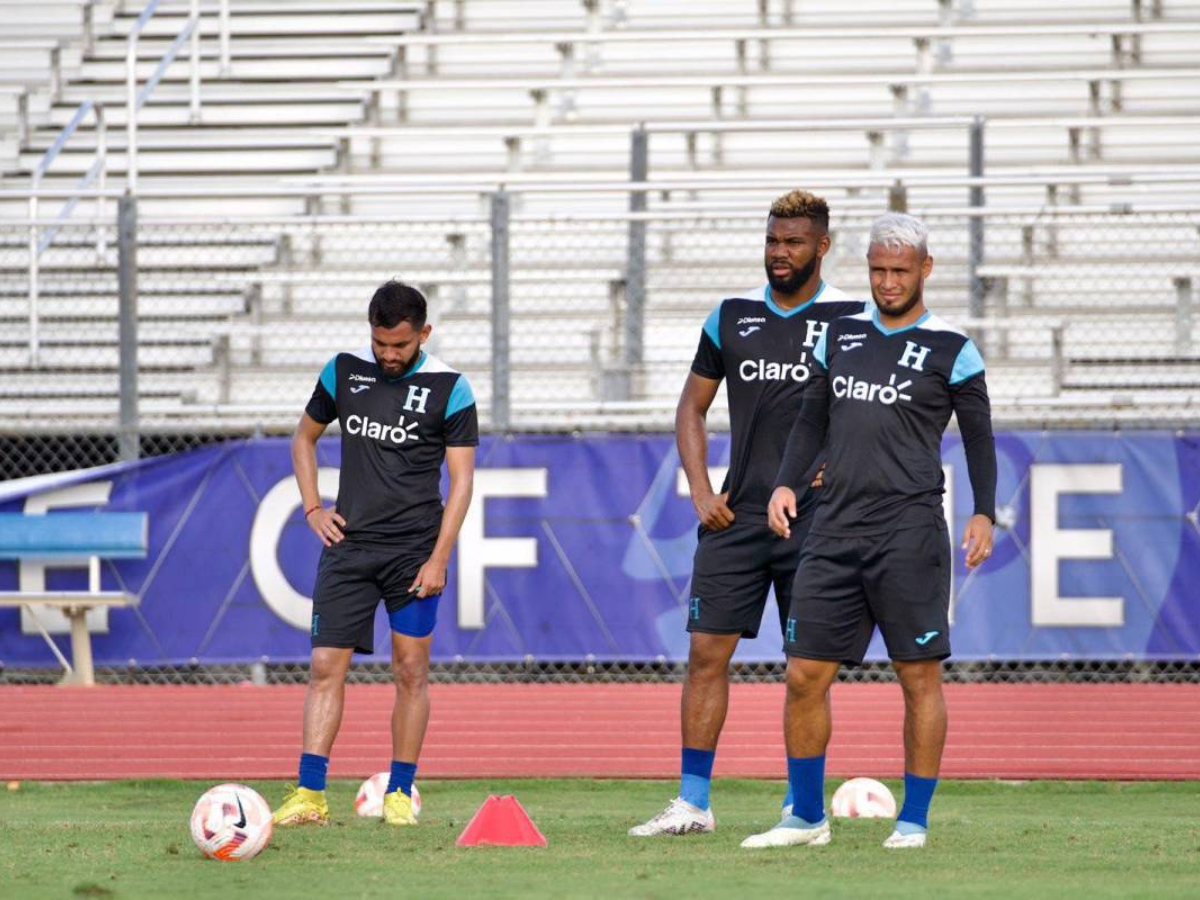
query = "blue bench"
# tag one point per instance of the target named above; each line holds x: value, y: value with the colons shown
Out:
x: 85, y: 538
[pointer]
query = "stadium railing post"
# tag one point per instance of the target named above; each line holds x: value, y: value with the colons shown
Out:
x: 127, y: 324
x: 501, y: 364
x: 975, y: 255
x: 632, y: 342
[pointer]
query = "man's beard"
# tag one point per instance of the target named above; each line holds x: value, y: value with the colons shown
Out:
x: 907, y: 305
x: 798, y: 279
x: 404, y: 369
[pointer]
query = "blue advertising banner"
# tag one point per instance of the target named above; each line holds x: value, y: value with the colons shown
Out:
x: 580, y: 547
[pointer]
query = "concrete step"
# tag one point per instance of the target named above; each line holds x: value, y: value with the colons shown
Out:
x: 213, y: 307
x: 293, y: 19
x: 75, y: 260
x: 242, y: 68
x: 77, y: 356
x: 250, y: 109
x: 275, y: 158
x: 151, y: 49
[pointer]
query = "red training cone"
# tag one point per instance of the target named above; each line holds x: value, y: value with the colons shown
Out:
x: 501, y: 822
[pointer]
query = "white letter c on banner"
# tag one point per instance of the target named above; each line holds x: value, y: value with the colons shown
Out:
x: 273, y: 512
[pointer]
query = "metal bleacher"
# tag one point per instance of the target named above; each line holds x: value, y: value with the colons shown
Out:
x: 331, y: 145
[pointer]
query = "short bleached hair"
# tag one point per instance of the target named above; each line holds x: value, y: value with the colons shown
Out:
x: 897, y: 230
x: 802, y: 205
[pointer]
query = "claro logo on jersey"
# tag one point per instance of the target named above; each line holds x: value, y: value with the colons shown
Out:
x: 847, y: 386
x: 762, y: 370
x: 365, y: 426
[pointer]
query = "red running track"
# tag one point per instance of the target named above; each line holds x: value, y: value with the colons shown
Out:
x: 615, y: 730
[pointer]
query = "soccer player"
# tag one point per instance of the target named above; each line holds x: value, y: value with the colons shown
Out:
x: 402, y: 412
x: 884, y: 385
x: 761, y: 343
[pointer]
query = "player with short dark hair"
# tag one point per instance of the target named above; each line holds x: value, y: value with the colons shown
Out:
x: 402, y: 413
x: 884, y: 386
x: 760, y: 343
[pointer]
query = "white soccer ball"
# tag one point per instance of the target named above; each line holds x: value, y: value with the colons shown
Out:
x: 231, y: 822
x: 863, y: 798
x: 369, y: 801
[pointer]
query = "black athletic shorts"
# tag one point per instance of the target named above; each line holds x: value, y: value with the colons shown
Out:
x: 354, y: 576
x: 734, y: 569
x: 845, y: 586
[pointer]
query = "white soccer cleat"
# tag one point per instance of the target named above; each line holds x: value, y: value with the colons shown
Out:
x: 680, y: 817
x: 787, y: 834
x: 898, y: 841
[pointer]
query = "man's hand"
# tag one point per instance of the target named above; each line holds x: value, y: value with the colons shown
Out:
x: 328, y: 525
x: 713, y: 511
x: 781, y: 510
x: 819, y: 478
x: 430, y: 580
x: 977, y: 540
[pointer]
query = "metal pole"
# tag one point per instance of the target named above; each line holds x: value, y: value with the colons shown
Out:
x: 194, y: 61
x: 501, y: 362
x: 226, y: 53
x: 632, y: 343
x: 127, y: 323
x: 131, y: 113
x: 975, y: 223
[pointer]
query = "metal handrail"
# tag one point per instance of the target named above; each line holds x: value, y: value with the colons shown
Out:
x: 135, y: 99
x: 38, y: 243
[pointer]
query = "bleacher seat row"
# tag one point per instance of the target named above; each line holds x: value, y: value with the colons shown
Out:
x: 356, y: 140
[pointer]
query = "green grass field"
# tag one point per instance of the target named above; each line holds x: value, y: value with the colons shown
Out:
x: 1041, y: 839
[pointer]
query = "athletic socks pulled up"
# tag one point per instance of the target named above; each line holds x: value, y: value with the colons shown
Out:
x: 696, y: 776
x: 914, y: 814
x: 806, y: 786
x: 401, y: 777
x: 312, y: 771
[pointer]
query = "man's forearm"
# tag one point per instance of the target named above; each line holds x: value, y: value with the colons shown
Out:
x: 457, y: 503
x: 304, y: 463
x: 691, y: 439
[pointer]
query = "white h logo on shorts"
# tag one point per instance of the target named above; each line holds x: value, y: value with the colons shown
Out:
x: 913, y: 356
x: 415, y: 402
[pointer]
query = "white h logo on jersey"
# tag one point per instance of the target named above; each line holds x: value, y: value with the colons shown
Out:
x: 415, y: 402
x: 913, y: 356
x: 816, y: 331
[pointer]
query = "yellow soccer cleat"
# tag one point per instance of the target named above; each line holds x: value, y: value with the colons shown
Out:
x: 398, y: 810
x: 302, y: 807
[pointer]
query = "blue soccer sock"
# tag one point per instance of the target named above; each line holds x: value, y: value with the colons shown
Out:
x: 788, y: 799
x: 918, y: 792
x: 312, y: 771
x: 696, y: 776
x: 402, y: 777
x: 806, y: 784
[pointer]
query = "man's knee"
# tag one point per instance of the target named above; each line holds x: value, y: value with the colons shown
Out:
x: 920, y: 679
x: 328, y: 667
x: 411, y: 672
x: 809, y: 679
x: 709, y: 655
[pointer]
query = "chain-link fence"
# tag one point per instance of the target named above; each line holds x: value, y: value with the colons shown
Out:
x: 592, y: 322
x: 1088, y: 318
x: 537, y: 672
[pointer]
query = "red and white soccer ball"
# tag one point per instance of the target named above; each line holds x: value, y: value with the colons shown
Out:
x: 863, y: 798
x: 231, y: 822
x: 369, y: 801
